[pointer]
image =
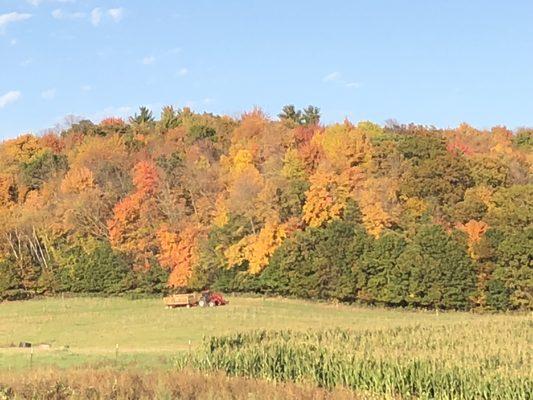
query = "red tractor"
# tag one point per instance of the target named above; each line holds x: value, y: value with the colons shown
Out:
x: 211, y: 299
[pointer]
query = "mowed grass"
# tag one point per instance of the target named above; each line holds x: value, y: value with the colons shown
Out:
x: 87, y: 330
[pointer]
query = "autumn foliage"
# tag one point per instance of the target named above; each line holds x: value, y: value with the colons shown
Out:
x: 395, y: 214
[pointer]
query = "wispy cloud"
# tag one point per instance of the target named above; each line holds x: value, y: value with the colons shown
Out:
x: 86, y: 88
x: 49, y: 94
x: 148, y: 60
x: 353, y: 85
x: 9, y: 18
x: 26, y: 62
x: 116, y: 13
x: 60, y: 14
x: 96, y: 16
x: 331, y: 77
x: 183, y: 71
x: 37, y: 3
x: 13, y: 42
x: 336, y: 77
x: 9, y: 97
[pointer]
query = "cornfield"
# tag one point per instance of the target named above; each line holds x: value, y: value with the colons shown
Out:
x: 461, y: 361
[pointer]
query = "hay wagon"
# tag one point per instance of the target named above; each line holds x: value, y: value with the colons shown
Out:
x: 182, y: 300
x: 207, y: 298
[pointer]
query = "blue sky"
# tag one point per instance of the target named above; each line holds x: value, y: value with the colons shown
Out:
x: 424, y: 61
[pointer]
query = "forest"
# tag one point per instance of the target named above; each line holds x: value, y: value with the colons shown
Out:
x: 394, y: 215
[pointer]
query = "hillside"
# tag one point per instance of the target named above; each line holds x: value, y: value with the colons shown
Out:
x: 397, y: 215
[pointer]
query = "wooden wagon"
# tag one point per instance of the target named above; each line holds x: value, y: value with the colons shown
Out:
x: 182, y: 300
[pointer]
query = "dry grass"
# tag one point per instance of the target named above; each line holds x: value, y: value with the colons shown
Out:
x: 55, y: 384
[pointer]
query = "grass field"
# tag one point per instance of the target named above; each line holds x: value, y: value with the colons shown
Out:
x: 378, y: 352
x: 87, y: 330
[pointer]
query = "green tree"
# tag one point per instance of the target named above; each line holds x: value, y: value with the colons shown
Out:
x: 442, y: 179
x: 511, y: 208
x: 11, y: 286
x: 524, y: 138
x: 290, y: 114
x: 144, y: 117
x: 96, y: 270
x: 311, y: 115
x: 317, y: 263
x: 41, y: 168
x: 489, y: 170
x: 198, y: 132
x: 169, y: 118
x: 437, y: 269
x: 377, y: 272
x: 513, y: 275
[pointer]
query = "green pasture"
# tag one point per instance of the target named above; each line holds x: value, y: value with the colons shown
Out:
x: 75, y: 331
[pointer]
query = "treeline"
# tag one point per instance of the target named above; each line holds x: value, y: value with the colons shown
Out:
x: 398, y: 215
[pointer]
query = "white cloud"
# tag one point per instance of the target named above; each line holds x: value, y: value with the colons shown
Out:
x: 148, y: 60
x: 36, y: 3
x: 334, y: 76
x: 9, y: 97
x: 13, y: 42
x: 86, y: 88
x: 26, y: 62
x: 183, y: 71
x: 353, y: 85
x: 49, y: 94
x: 116, y: 13
x: 337, y: 79
x: 6, y: 19
x: 60, y: 14
x: 96, y: 16
x: 208, y: 100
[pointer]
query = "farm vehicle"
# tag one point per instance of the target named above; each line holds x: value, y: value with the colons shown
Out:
x: 204, y: 299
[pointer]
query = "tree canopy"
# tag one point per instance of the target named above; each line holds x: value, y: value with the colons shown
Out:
x: 399, y: 215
